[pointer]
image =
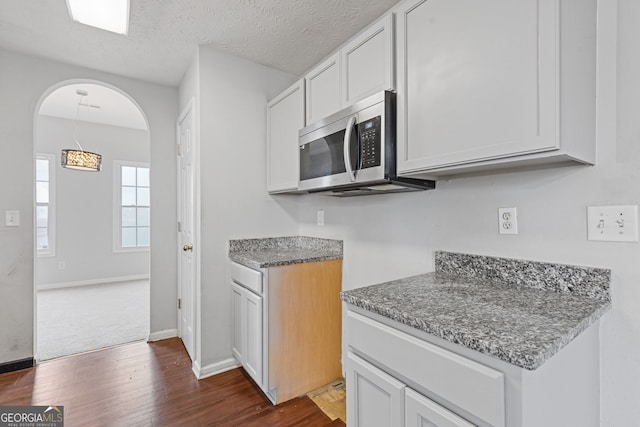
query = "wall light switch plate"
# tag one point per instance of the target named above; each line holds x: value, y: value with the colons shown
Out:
x: 12, y: 218
x: 507, y: 221
x: 612, y: 223
x: 320, y: 217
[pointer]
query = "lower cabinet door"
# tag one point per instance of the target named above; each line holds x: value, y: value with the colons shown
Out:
x: 237, y: 339
x: 253, y: 350
x: 247, y: 331
x: 374, y: 398
x: 423, y: 412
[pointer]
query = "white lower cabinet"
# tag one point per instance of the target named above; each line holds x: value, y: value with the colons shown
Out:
x: 253, y: 322
x: 237, y: 338
x: 399, y: 376
x: 423, y: 412
x: 276, y: 313
x: 376, y: 399
x: 468, y: 387
x: 247, y: 331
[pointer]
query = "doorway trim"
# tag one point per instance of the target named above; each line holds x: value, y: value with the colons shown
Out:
x: 191, y: 107
x: 43, y: 97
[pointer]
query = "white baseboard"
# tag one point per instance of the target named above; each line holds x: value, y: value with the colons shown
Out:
x: 92, y: 282
x: 214, y: 368
x: 162, y: 335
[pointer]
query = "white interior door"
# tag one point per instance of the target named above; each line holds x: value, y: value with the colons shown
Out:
x: 186, y: 218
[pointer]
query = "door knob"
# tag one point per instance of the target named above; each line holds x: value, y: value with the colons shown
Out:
x: 187, y: 248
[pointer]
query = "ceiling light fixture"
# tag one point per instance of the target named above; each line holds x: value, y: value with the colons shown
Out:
x: 80, y: 159
x: 110, y: 15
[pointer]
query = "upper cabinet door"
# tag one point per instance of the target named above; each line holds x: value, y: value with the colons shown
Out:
x: 323, y: 89
x: 476, y: 81
x: 367, y: 62
x: 285, y: 117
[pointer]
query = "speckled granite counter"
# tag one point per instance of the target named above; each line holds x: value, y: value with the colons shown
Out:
x: 274, y: 251
x: 521, y: 312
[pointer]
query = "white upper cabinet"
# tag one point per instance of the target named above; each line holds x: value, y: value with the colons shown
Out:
x: 323, y: 89
x: 486, y: 84
x: 361, y: 68
x: 364, y: 66
x: 285, y: 117
x: 367, y: 62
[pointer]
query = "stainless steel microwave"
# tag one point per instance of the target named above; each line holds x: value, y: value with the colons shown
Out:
x: 353, y: 152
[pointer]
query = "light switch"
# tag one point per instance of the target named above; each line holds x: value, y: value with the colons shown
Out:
x: 612, y: 223
x: 12, y: 218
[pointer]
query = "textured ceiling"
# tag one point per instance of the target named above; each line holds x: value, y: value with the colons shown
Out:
x: 290, y: 35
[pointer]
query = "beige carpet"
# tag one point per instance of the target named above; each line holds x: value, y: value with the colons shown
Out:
x: 85, y: 318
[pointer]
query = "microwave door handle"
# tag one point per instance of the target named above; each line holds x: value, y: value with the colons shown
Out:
x: 347, y: 148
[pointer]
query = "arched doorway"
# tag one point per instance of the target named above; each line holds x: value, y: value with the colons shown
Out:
x: 92, y: 232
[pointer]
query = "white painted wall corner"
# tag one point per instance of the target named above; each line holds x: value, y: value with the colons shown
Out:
x: 214, y: 368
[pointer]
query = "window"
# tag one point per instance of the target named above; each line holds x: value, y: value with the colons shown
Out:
x: 45, y: 211
x: 132, y: 206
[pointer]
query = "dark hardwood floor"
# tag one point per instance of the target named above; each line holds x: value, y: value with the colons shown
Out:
x: 144, y: 384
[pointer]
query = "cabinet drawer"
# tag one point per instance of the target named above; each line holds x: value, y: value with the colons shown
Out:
x: 250, y: 279
x: 466, y: 384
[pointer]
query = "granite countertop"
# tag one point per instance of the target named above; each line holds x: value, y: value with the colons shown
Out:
x: 275, y: 251
x: 521, y: 312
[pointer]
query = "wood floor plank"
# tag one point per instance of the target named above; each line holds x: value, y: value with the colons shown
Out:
x: 152, y: 384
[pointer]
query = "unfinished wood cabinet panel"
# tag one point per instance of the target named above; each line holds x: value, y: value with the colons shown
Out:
x: 305, y: 326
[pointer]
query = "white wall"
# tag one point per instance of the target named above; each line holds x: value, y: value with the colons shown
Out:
x: 395, y: 235
x: 84, y: 203
x: 23, y: 80
x: 232, y: 96
x: 190, y: 85
x: 621, y: 329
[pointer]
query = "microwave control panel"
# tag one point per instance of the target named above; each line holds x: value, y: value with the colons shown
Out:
x: 370, y: 136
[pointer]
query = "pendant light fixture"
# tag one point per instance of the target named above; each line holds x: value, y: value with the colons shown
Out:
x: 80, y: 159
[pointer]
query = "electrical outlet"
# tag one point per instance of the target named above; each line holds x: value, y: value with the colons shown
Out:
x: 61, y: 265
x: 507, y: 221
x: 612, y: 223
x: 320, y: 217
